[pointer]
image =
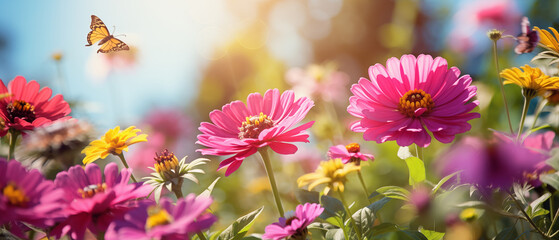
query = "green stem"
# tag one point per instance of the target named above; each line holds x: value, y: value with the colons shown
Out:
x: 357, y: 232
x: 539, y: 110
x: 523, y: 117
x: 268, y: 165
x: 554, y: 219
x: 177, y: 188
x: 501, y: 84
x: 526, y: 215
x: 121, y: 156
x: 201, y: 235
x: 364, y: 186
x: 419, y: 152
x: 13, y: 139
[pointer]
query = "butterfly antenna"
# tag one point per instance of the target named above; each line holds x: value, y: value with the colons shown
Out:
x: 114, y: 29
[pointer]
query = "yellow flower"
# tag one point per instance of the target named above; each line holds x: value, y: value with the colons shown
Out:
x: 332, y: 172
x: 532, y: 80
x: 547, y: 39
x: 113, y: 142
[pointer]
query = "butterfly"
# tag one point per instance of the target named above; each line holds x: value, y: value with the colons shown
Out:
x: 527, y: 40
x: 100, y: 33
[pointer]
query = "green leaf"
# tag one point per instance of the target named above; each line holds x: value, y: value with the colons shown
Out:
x: 239, y: 228
x: 432, y: 235
x: 304, y: 196
x: 553, y: 161
x: 411, y: 235
x: 443, y: 181
x: 551, y: 179
x: 417, y: 170
x: 535, y: 206
x: 209, y: 189
x: 335, y: 234
x: 394, y: 192
x: 364, y: 219
x: 331, y: 207
x: 507, y: 233
x: 384, y: 228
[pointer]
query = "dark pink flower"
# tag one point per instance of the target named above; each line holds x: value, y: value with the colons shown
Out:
x: 322, y: 81
x: 267, y: 120
x: 490, y: 163
x: 294, y: 227
x: 25, y: 196
x: 410, y: 97
x: 93, y: 203
x: 28, y: 107
x: 349, y: 153
x: 166, y: 221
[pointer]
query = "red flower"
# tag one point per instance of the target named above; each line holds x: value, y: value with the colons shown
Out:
x: 28, y: 106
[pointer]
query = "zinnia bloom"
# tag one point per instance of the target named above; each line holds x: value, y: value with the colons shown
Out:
x: 28, y: 107
x: 490, y: 164
x: 550, y: 41
x: 113, y: 142
x: 294, y: 227
x: 25, y: 196
x: 532, y: 80
x: 267, y: 120
x: 166, y: 221
x: 409, y: 95
x: 349, y: 153
x: 323, y: 81
x: 93, y: 202
x: 332, y: 172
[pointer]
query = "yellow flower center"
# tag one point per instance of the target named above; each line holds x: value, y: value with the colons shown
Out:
x: 157, y: 216
x: 414, y: 100
x: 91, y: 190
x: 165, y: 162
x: 15, y: 195
x: 21, y: 109
x: 254, y: 125
x: 353, y: 147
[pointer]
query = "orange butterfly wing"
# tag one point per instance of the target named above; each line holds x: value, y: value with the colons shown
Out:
x: 100, y: 33
x: 113, y: 45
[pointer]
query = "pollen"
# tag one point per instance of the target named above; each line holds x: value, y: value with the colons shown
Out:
x: 353, y: 147
x: 165, y: 162
x: 21, y: 109
x: 414, y: 100
x: 157, y: 216
x: 15, y: 195
x: 90, y: 190
x: 254, y: 125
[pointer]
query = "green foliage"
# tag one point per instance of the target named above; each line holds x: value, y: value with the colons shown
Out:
x: 417, y: 170
x: 395, y: 192
x: 239, y: 228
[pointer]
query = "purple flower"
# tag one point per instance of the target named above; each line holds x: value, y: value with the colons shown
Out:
x: 349, y: 153
x: 166, y: 221
x: 92, y: 202
x: 294, y: 227
x: 490, y: 163
x: 25, y: 196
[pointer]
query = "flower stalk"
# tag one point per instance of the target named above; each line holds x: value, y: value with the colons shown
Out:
x: 268, y: 165
x: 501, y: 85
x: 121, y: 156
x: 13, y: 139
x: 357, y: 232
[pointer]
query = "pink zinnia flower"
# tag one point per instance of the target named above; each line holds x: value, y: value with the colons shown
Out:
x: 25, y: 196
x: 92, y: 202
x: 323, y: 81
x: 267, y: 120
x: 294, y: 227
x: 349, y: 153
x: 28, y: 107
x: 409, y: 95
x: 489, y: 163
x: 166, y: 221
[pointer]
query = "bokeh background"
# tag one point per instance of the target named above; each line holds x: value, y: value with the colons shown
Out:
x: 190, y: 57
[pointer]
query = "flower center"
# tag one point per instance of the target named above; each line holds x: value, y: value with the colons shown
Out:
x: 415, y: 100
x: 21, y: 109
x: 166, y: 161
x: 157, y: 217
x: 91, y: 190
x: 353, y: 147
x: 254, y: 125
x: 15, y: 195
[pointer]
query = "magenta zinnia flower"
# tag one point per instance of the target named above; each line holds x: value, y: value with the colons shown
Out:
x: 25, y: 196
x: 241, y: 129
x: 349, y: 153
x: 166, y: 221
x: 94, y: 203
x: 28, y: 107
x: 294, y: 227
x: 409, y: 95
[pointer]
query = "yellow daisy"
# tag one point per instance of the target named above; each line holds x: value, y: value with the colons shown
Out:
x: 532, y: 80
x: 549, y: 40
x: 113, y: 142
x: 332, y: 172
